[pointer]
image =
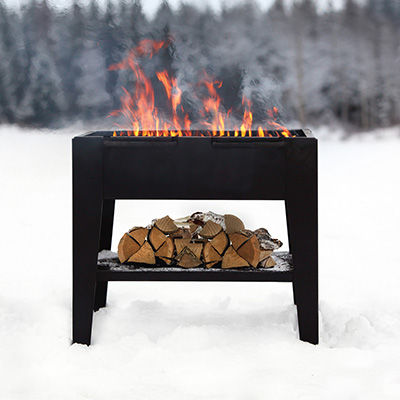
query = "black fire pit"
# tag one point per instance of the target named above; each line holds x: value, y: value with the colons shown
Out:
x: 106, y: 168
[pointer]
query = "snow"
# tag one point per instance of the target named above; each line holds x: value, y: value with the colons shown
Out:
x: 202, y: 340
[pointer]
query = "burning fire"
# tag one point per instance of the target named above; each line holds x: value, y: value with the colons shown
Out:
x: 145, y: 119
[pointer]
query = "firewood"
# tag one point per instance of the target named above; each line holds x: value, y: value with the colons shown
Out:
x: 220, y: 242
x: 233, y: 224
x: 166, y: 251
x: 266, y: 241
x: 187, y: 259
x: 211, y: 264
x: 166, y: 225
x: 201, y: 218
x: 196, y: 248
x: 139, y: 234
x: 144, y: 255
x: 180, y: 244
x: 210, y: 229
x: 182, y: 233
x: 264, y: 254
x: 210, y: 255
x: 250, y: 251
x: 231, y: 259
x: 237, y: 239
x: 127, y: 246
x: 156, y: 238
x: 194, y: 228
x: 268, y: 263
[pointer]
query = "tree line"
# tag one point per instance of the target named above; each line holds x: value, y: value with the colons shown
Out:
x: 315, y: 66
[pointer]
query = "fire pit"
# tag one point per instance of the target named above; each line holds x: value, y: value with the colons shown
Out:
x: 277, y: 165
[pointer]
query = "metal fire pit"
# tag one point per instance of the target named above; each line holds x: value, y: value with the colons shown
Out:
x: 106, y: 168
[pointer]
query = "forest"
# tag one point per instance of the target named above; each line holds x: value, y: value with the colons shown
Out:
x: 317, y: 67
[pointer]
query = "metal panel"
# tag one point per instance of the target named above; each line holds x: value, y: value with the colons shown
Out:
x: 195, y: 168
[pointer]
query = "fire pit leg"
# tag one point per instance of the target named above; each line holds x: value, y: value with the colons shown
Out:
x: 87, y: 218
x: 107, y: 220
x: 302, y: 220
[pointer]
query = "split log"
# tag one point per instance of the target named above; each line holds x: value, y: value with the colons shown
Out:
x: 232, y: 259
x: 127, y: 247
x: 237, y: 239
x: 264, y: 254
x: 166, y: 251
x: 233, y: 224
x: 181, y: 244
x: 182, y: 233
x: 220, y: 242
x: 210, y: 255
x: 196, y: 249
x: 266, y: 241
x: 139, y: 234
x: 250, y: 251
x: 156, y: 238
x: 269, y: 262
x: 210, y: 229
x: 166, y: 225
x: 144, y: 255
x: 187, y: 259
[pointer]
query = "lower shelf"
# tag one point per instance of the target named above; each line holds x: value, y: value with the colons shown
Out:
x: 110, y: 269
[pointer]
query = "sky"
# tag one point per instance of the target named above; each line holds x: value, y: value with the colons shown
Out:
x: 150, y: 6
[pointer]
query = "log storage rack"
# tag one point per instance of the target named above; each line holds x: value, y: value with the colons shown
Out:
x: 108, y: 168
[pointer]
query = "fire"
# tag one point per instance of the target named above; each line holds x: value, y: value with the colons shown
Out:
x: 145, y: 119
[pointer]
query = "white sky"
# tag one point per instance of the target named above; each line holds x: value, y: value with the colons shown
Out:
x: 150, y: 6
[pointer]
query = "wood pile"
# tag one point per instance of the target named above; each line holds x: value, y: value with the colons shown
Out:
x: 203, y: 239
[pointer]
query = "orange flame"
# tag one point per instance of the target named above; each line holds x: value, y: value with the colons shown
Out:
x: 146, y: 120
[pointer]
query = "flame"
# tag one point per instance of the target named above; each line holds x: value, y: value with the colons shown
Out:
x: 138, y: 106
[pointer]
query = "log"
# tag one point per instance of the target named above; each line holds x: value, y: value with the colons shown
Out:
x: 210, y: 229
x: 156, y: 238
x: 127, y: 247
x: 187, y: 259
x: 231, y: 259
x: 266, y: 241
x: 180, y: 245
x: 139, y: 234
x: 269, y: 262
x: 181, y: 233
x: 144, y: 255
x: 264, y: 254
x: 210, y: 255
x: 233, y: 224
x: 250, y: 251
x: 166, y: 251
x: 220, y: 242
x: 166, y: 225
x: 237, y: 239
x: 196, y: 249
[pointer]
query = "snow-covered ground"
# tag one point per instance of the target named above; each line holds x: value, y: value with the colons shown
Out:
x: 202, y: 340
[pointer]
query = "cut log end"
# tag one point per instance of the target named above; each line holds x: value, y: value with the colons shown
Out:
x: 210, y: 255
x: 127, y: 247
x: 166, y: 251
x: 232, y: 259
x: 156, y: 238
x: 220, y: 242
x: 233, y: 224
x: 187, y: 259
x: 139, y: 234
x: 144, y: 255
x: 210, y: 230
x: 269, y: 262
x: 250, y: 251
x: 166, y: 225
